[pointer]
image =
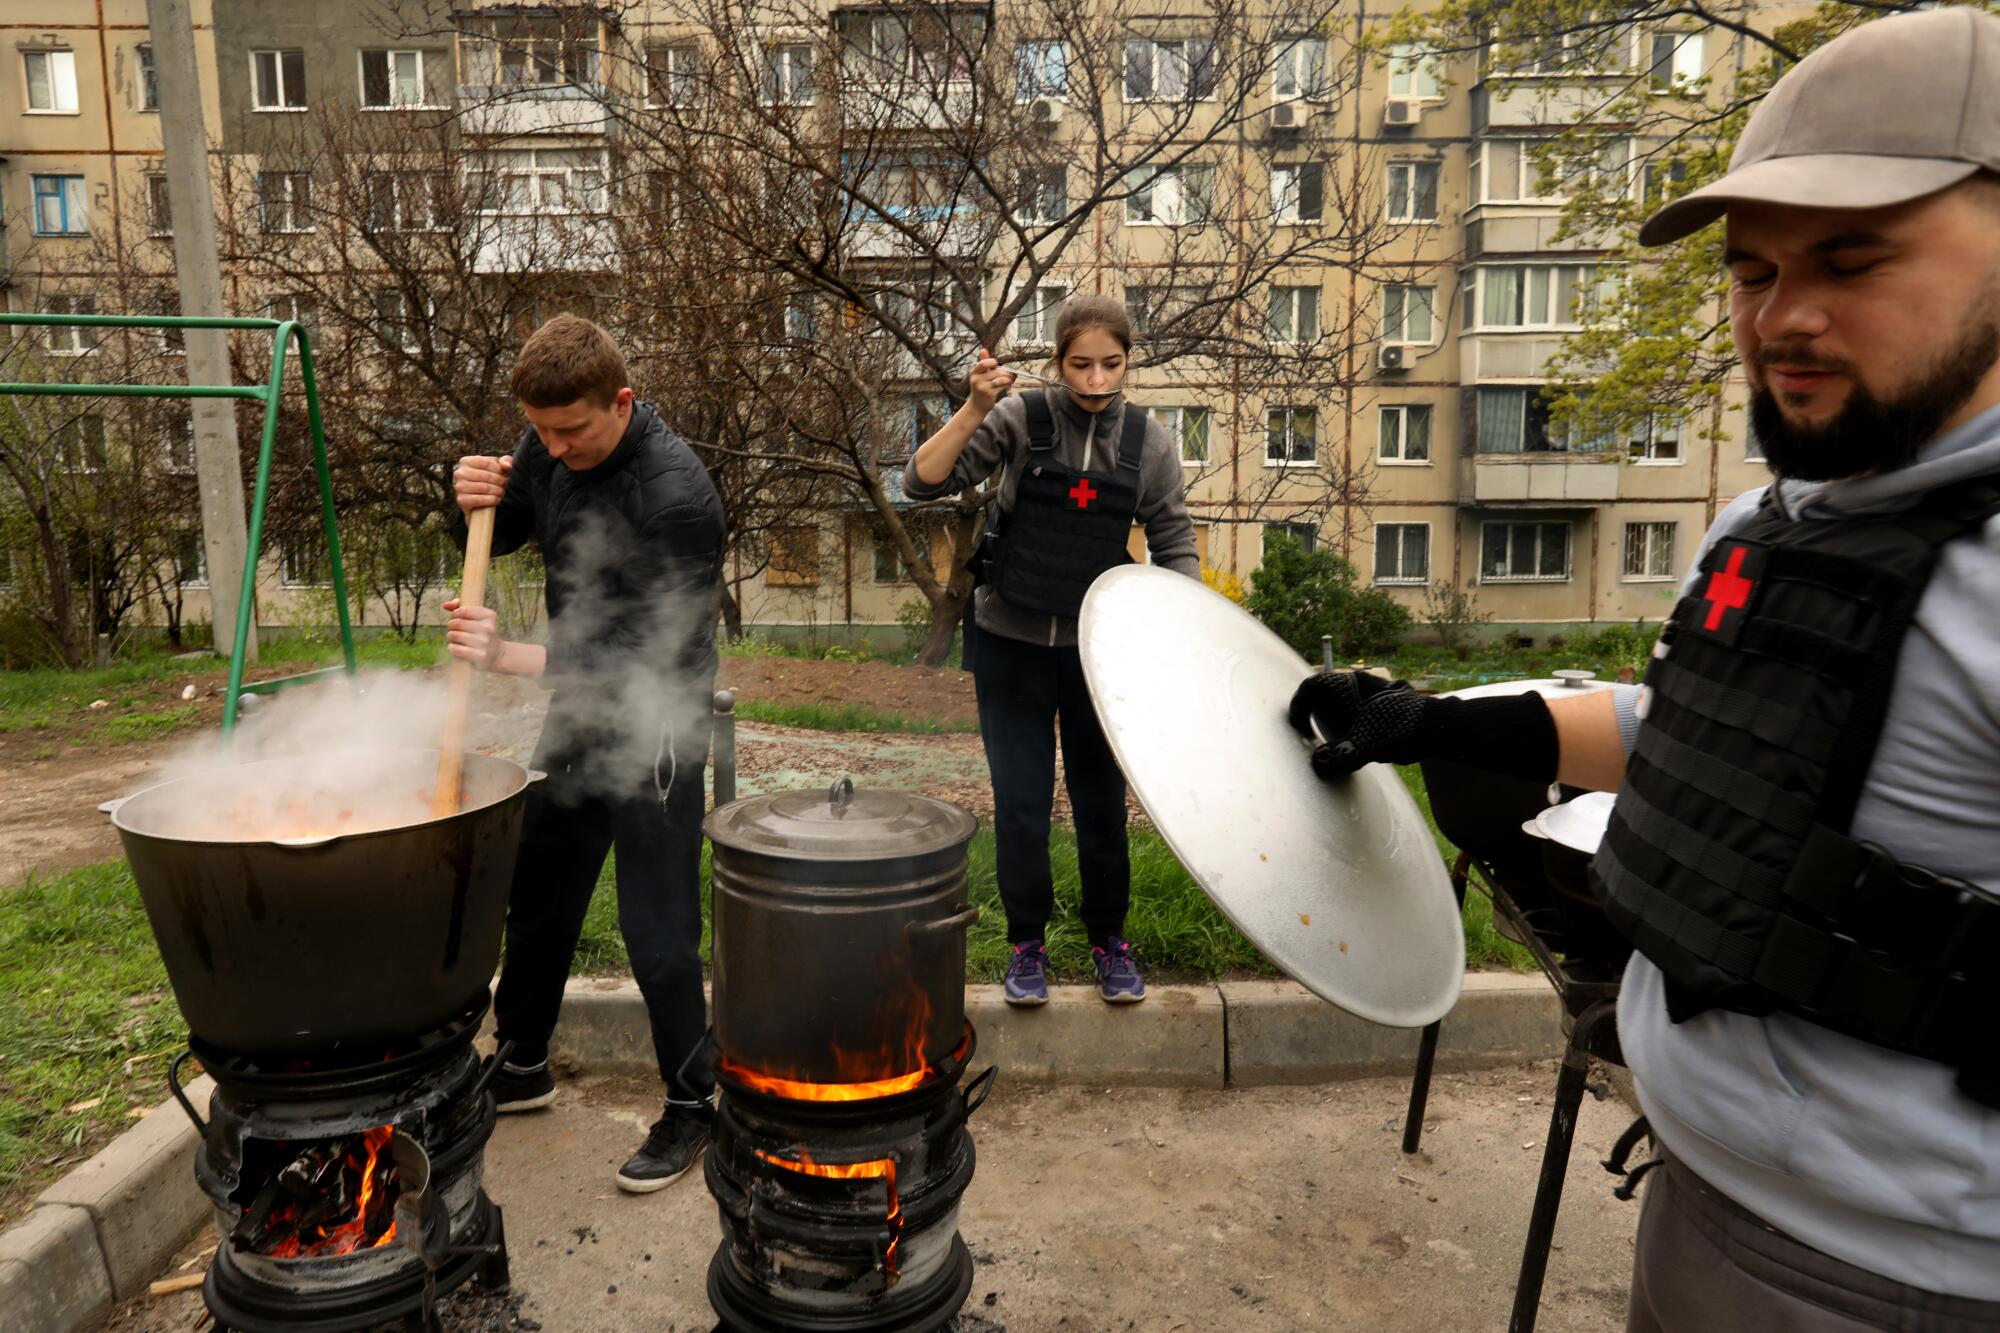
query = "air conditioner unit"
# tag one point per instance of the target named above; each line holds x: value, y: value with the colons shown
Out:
x: 1290, y: 116
x: 1392, y: 356
x: 1402, y: 111
x: 1045, y: 111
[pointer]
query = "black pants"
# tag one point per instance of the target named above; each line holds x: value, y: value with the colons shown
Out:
x: 1025, y: 690
x: 570, y: 824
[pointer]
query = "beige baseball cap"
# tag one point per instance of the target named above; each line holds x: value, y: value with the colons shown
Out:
x: 1888, y: 112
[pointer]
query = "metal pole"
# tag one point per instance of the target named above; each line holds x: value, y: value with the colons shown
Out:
x: 725, y: 748
x: 1326, y: 652
x: 1549, y: 1189
x: 198, y: 267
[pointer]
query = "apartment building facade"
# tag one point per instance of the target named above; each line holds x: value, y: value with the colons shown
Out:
x: 1426, y: 455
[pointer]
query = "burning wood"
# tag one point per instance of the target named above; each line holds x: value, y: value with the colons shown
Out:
x: 882, y: 1169
x: 331, y: 1198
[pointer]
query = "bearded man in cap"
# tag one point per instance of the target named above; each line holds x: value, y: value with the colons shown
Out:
x: 1805, y: 849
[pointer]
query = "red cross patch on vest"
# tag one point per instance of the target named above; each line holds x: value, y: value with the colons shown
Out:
x: 1734, y: 572
x: 1083, y: 493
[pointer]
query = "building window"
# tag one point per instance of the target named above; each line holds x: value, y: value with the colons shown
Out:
x: 1413, y: 72
x: 1405, y: 434
x: 180, y: 441
x: 1294, y: 315
x: 59, y: 207
x: 391, y: 79
x: 407, y: 200
x: 1189, y: 427
x: 51, y: 82
x: 1155, y: 310
x: 788, y: 75
x: 1413, y: 192
x: 1298, y: 70
x: 525, y: 182
x: 1543, y: 296
x: 1298, y: 191
x: 1524, y: 553
x: 1515, y: 421
x: 159, y: 205
x: 284, y: 200
x: 1044, y: 195
x: 1402, y: 553
x: 1305, y: 534
x: 1407, y: 314
x: 304, y: 563
x: 1649, y: 551
x: 794, y: 559
x: 190, y: 561
x: 801, y: 319
x: 170, y: 341
x: 80, y: 443
x: 1035, y: 326
x: 396, y: 321
x: 71, y: 339
x: 672, y: 74
x: 298, y: 308
x: 929, y: 46
x: 1677, y: 61
x: 1291, y: 437
x: 149, y: 78
x: 1657, y: 439
x: 529, y: 51
x: 889, y: 566
x: 1660, y: 181
x: 1172, y: 196
x: 1178, y: 70
x: 1041, y: 69
x: 1508, y: 173
x: 278, y: 80
x: 923, y: 417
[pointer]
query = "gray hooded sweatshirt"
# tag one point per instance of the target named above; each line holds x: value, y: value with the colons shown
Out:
x: 1868, y: 1155
x: 1086, y: 442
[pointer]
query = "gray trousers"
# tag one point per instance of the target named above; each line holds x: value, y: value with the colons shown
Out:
x: 1705, y: 1265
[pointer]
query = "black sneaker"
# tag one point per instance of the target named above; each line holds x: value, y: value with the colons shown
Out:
x: 675, y: 1143
x: 523, y: 1089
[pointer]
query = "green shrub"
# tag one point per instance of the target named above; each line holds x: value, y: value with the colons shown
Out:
x: 1303, y: 595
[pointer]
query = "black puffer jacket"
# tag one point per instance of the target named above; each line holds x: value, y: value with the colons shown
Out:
x: 633, y: 552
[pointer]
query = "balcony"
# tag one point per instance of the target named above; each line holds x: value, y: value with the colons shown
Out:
x: 1526, y: 102
x: 959, y: 236
x: 907, y: 106
x: 511, y: 113
x: 1488, y: 357
x: 1550, y: 480
x: 578, y: 243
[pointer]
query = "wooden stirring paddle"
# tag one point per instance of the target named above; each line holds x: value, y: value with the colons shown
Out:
x: 458, y: 695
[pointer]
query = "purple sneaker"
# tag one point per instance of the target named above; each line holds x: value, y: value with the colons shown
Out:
x: 1028, y: 975
x: 1118, y: 979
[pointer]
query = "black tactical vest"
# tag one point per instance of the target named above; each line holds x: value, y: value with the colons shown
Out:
x: 1065, y: 528
x: 1728, y: 861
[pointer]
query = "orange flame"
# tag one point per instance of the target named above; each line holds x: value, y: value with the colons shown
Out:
x: 351, y: 1235
x: 896, y: 1066
x: 883, y: 1169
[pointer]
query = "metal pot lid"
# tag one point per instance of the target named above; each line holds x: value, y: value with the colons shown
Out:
x: 1340, y: 884
x: 843, y: 822
x: 1579, y: 824
x: 1565, y: 683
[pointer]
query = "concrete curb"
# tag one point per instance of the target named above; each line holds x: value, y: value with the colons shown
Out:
x: 100, y: 1234
x: 1238, y: 1034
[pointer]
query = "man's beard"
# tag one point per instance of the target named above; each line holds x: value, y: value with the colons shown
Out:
x: 1870, y: 434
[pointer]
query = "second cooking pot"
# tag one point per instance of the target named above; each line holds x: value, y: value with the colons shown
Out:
x: 840, y: 922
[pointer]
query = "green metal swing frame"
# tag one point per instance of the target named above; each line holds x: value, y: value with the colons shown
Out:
x: 285, y: 333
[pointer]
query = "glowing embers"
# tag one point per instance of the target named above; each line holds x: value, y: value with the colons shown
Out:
x: 317, y: 1200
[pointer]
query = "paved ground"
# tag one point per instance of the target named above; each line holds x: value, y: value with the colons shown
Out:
x: 1151, y: 1211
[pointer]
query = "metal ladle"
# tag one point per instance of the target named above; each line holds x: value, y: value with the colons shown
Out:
x: 1058, y: 384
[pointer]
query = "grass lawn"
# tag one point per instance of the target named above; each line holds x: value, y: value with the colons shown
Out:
x: 49, y: 698
x: 846, y: 717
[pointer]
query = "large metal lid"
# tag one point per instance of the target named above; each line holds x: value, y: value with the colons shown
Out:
x: 842, y: 823
x: 1338, y: 883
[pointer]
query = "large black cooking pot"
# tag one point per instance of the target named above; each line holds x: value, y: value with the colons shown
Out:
x: 840, y: 922
x: 285, y: 934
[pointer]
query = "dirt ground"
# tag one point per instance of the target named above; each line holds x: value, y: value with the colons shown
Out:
x: 51, y: 781
x: 1097, y: 1209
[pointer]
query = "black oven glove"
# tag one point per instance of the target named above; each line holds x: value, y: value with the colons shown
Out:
x: 1364, y: 719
